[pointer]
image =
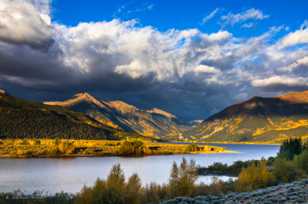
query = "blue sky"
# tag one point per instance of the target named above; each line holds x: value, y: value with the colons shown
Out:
x: 164, y: 15
x: 192, y: 58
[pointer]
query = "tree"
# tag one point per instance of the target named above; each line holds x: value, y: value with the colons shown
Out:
x: 174, y: 180
x: 114, y: 194
x: 133, y: 190
x: 183, y: 178
x: 290, y: 148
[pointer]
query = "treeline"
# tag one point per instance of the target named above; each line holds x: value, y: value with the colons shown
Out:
x: 218, y: 169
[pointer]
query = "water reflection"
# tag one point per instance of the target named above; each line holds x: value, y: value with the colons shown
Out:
x: 69, y: 175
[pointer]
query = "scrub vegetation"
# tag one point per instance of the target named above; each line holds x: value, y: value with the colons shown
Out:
x: 72, y: 148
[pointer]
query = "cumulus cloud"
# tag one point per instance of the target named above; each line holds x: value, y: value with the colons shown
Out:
x: 250, y: 14
x: 294, y: 38
x: 142, y: 65
x: 22, y: 23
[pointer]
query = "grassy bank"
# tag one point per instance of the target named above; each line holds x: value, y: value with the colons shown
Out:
x: 23, y: 148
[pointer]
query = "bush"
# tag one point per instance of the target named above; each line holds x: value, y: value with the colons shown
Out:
x: 285, y: 170
x: 301, y: 161
x: 254, y: 176
x: 132, y: 148
x: 192, y: 147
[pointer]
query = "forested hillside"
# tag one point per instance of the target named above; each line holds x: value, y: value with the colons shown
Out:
x: 25, y: 119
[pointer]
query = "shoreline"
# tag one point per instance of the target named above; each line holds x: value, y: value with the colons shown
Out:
x: 222, y: 142
x: 244, y: 143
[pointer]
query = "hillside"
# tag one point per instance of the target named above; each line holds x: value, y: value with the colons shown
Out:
x: 258, y: 120
x: 25, y: 119
x: 154, y: 123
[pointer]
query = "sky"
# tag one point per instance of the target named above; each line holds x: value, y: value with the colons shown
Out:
x: 192, y: 58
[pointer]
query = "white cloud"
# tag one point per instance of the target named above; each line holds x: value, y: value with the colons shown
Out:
x: 295, y: 38
x: 287, y: 81
x: 248, y: 25
x: 210, y: 16
x: 301, y: 62
x: 206, y: 69
x: 134, y: 69
x: 21, y: 22
x: 250, y: 14
x: 43, y: 7
x: 219, y: 36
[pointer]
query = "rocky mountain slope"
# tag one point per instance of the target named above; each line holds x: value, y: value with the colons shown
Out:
x: 154, y: 123
x: 258, y: 120
x: 25, y: 119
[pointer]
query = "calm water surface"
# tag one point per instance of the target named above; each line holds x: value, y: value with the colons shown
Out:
x: 70, y: 175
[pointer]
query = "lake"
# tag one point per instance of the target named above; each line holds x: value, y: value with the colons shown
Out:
x: 70, y: 175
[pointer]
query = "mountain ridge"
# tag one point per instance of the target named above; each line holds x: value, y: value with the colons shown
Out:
x: 154, y: 122
x: 259, y: 119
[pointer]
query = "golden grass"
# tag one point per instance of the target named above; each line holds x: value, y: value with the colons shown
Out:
x: 75, y: 148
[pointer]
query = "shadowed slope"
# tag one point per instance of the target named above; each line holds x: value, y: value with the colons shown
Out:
x: 25, y: 119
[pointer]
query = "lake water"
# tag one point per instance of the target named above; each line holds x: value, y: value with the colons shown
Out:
x: 70, y: 175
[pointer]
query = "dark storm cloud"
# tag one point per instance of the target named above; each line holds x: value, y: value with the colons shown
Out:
x: 187, y: 72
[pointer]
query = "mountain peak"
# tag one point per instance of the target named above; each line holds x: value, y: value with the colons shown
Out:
x: 83, y: 94
x: 161, y: 112
x: 77, y: 98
